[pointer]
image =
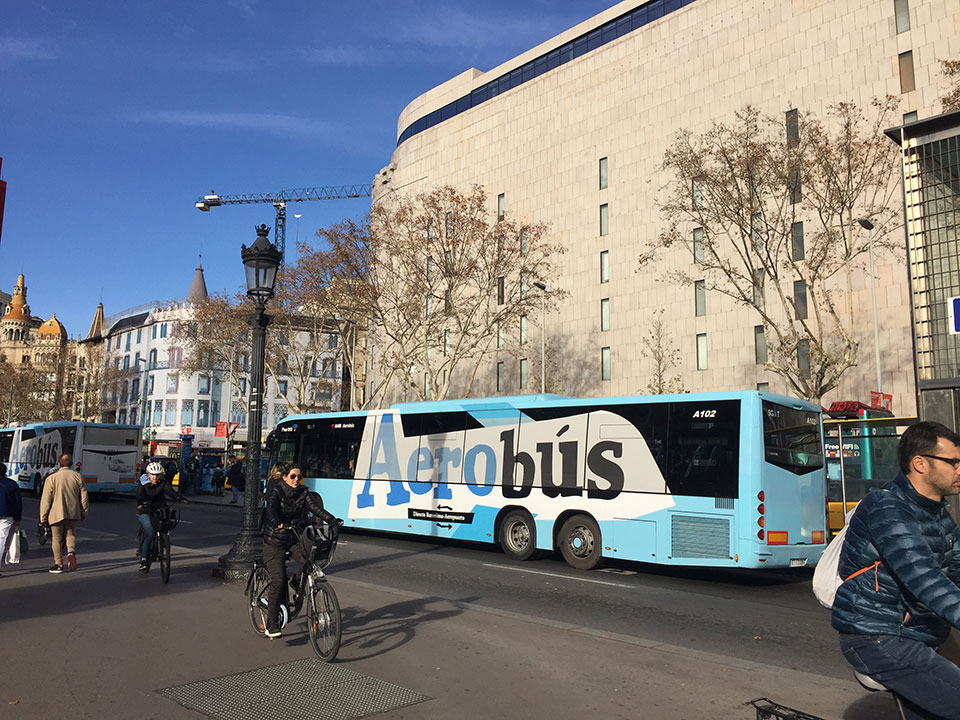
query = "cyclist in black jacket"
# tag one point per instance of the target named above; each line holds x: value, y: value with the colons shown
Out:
x: 152, y: 496
x: 289, y: 505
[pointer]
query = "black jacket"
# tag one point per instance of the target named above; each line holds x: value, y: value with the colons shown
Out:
x: 290, y: 506
x: 236, y: 477
x: 151, y: 497
x: 10, y: 504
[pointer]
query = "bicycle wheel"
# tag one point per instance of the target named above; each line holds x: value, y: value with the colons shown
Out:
x: 257, y: 598
x: 323, y: 624
x: 163, y: 551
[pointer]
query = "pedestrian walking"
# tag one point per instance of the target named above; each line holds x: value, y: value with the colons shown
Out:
x: 900, y: 560
x: 11, y: 509
x: 192, y: 468
x: 236, y: 478
x: 63, y: 505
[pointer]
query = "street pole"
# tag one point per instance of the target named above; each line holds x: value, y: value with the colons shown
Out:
x: 261, y: 261
x: 543, y: 335
x: 867, y: 225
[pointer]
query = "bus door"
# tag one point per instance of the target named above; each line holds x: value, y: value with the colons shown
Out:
x: 792, y: 479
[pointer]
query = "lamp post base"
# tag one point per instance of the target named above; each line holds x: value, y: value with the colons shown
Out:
x: 238, y: 562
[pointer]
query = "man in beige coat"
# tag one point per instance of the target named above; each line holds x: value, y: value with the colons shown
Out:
x: 63, y: 505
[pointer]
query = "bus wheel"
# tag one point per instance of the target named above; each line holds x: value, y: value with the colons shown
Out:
x: 580, y: 542
x: 518, y: 535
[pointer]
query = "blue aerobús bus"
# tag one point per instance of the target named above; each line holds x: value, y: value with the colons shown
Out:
x: 727, y: 479
x: 104, y: 454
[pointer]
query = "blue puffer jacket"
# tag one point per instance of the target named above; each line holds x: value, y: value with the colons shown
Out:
x: 918, y: 546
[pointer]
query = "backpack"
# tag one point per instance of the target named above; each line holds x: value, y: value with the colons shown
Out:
x: 826, y: 576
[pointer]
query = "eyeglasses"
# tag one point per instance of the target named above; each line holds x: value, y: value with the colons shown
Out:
x: 952, y: 462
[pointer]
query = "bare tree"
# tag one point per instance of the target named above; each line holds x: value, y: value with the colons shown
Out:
x: 770, y: 219
x: 447, y: 279
x: 658, y: 347
x: 950, y: 100
x: 26, y: 393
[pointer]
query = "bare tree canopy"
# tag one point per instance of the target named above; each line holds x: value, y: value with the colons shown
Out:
x: 447, y: 280
x: 769, y: 212
x: 950, y: 100
x: 658, y: 347
x: 27, y: 394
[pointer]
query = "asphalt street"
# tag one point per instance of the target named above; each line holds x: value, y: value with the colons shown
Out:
x: 473, y: 633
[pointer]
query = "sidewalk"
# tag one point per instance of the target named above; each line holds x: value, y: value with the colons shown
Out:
x: 107, y: 642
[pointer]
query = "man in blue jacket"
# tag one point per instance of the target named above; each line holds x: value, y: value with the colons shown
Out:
x: 901, y: 564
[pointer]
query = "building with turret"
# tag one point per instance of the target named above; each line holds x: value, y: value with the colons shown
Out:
x: 41, y: 359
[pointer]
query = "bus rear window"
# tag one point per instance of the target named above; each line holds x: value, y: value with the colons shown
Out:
x: 791, y: 438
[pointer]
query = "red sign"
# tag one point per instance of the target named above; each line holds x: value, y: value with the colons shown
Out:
x: 881, y: 400
x: 225, y: 428
x: 186, y: 431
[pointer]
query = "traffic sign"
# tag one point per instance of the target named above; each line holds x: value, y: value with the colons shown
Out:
x: 953, y: 312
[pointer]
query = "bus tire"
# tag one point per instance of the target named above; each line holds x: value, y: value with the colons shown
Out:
x: 580, y: 542
x: 518, y: 535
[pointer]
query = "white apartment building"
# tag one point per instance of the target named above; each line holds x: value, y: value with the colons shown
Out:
x: 611, y: 93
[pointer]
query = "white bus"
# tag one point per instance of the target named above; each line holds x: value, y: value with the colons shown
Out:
x: 104, y: 454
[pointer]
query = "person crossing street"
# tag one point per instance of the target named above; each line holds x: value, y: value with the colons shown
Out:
x: 64, y: 504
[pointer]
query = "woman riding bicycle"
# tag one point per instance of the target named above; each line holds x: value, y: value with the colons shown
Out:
x: 150, y: 498
x: 289, y: 505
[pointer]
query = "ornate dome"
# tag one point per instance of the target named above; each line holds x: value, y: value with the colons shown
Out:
x: 18, y: 310
x: 52, y: 328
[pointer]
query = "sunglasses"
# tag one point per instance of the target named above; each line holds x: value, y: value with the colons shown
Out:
x: 300, y: 477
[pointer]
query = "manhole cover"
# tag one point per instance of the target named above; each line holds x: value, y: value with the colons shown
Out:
x: 303, y: 689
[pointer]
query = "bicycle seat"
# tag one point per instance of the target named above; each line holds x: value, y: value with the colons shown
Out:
x: 869, y: 683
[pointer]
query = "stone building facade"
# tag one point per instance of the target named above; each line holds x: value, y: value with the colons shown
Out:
x: 607, y: 98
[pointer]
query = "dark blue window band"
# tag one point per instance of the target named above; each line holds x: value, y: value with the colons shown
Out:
x: 608, y: 32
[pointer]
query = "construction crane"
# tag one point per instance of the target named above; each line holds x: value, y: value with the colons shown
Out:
x: 280, y: 200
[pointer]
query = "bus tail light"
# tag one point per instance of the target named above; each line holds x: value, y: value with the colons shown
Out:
x: 760, y: 508
x: 760, y: 496
x: 760, y: 534
x: 817, y: 537
x: 761, y: 521
x: 777, y: 537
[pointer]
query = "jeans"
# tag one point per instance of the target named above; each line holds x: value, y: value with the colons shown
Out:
x: 236, y: 493
x: 928, y: 684
x: 148, y: 532
x: 274, y: 558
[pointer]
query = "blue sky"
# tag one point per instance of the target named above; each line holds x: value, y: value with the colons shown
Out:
x: 116, y: 115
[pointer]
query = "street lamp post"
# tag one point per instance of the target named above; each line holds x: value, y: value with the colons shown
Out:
x: 261, y: 261
x: 144, y: 401
x: 867, y: 225
x: 543, y: 334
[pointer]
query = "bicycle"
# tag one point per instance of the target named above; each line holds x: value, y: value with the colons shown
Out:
x: 310, y: 584
x: 163, y: 520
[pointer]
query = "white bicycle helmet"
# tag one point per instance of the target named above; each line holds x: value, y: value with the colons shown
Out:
x: 155, y: 468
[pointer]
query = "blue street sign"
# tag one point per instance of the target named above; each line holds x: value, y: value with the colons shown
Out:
x: 953, y: 311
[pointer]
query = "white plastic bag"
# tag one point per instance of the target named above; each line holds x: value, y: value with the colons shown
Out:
x: 13, y: 553
x: 826, y: 576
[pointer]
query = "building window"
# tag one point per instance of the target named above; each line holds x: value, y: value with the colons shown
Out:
x: 698, y: 245
x: 150, y: 386
x: 763, y: 387
x: 133, y: 416
x: 605, y: 363
x: 500, y: 376
x: 696, y: 194
x: 500, y: 290
x: 604, y: 220
x: 523, y: 373
x: 446, y: 342
x: 170, y: 415
x: 429, y: 270
x: 157, y: 412
x: 700, y: 297
x: 605, y: 266
x: 122, y: 417
x: 203, y: 386
x: 760, y: 345
x: 243, y: 386
x: 174, y: 357
x: 907, y: 81
x: 153, y: 332
x: 756, y: 231
x: 901, y: 9
x: 214, y: 412
x: 793, y: 128
x: 803, y: 357
x: 758, y: 287
x: 603, y: 173
x: 910, y: 117
x: 500, y: 334
x: 129, y: 338
x: 701, y: 351
x: 163, y: 330
x: 126, y: 362
x: 108, y: 342
x: 523, y: 329
x: 501, y: 205
x: 135, y: 389
x: 281, y: 388
x: 203, y: 413
x: 448, y: 224
x: 524, y: 243
x: 800, y: 298
x: 173, y: 382
x: 139, y: 335
x: 153, y: 359
x: 186, y: 413
x: 797, y: 233
x: 605, y: 314
x: 796, y: 186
